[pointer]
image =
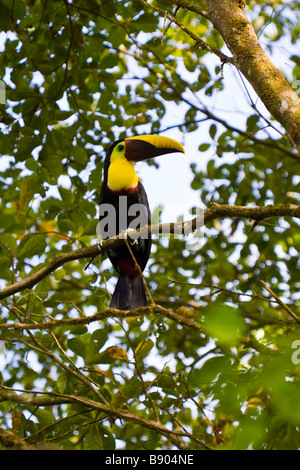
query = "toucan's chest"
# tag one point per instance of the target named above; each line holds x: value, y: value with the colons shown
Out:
x: 121, y: 175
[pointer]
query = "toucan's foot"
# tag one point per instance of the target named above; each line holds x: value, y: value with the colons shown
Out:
x: 100, y: 246
x: 125, y: 234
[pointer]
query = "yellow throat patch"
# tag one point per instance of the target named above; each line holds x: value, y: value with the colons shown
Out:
x: 121, y: 173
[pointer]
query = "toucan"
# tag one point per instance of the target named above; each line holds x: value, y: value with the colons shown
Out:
x: 124, y: 205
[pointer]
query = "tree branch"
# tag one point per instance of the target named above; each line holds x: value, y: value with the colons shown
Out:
x: 11, y: 441
x: 110, y: 312
x: 180, y: 228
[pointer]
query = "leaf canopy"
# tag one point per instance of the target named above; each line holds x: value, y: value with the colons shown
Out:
x: 78, y: 76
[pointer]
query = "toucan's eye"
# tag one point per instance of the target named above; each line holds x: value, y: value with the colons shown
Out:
x: 121, y: 147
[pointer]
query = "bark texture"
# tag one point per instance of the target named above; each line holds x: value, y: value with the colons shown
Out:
x: 268, y: 82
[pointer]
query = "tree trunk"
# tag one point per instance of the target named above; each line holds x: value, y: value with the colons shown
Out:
x: 279, y: 98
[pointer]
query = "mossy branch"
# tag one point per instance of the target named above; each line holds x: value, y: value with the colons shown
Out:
x: 117, y: 413
x: 99, y: 316
x: 216, y: 211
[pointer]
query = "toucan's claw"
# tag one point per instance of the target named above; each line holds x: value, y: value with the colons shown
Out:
x: 126, y: 234
x: 100, y: 246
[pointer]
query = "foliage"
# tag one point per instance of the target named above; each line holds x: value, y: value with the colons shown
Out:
x: 78, y: 76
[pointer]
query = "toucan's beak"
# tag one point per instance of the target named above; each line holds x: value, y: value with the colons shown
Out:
x: 143, y: 147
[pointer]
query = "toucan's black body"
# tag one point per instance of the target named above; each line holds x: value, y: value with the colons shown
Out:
x: 129, y: 292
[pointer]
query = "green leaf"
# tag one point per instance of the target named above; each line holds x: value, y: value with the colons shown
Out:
x: 88, y: 346
x: 212, y: 130
x: 90, y: 228
x: 28, y: 187
x: 31, y: 245
x: 99, y: 337
x: 80, y: 155
x: 66, y: 195
x: 45, y: 417
x: 167, y: 383
x: 143, y: 348
x: 203, y: 147
x: 250, y: 433
x: 93, y: 439
x: 210, y: 371
x: 77, y: 345
x: 224, y: 323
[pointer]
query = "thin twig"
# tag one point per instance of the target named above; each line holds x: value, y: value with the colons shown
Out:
x: 286, y: 308
x: 137, y: 266
x: 198, y: 42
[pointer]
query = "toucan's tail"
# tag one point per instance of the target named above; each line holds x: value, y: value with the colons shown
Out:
x: 129, y: 293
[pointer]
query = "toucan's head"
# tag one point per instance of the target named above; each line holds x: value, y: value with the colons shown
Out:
x: 143, y: 147
x: 118, y: 165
